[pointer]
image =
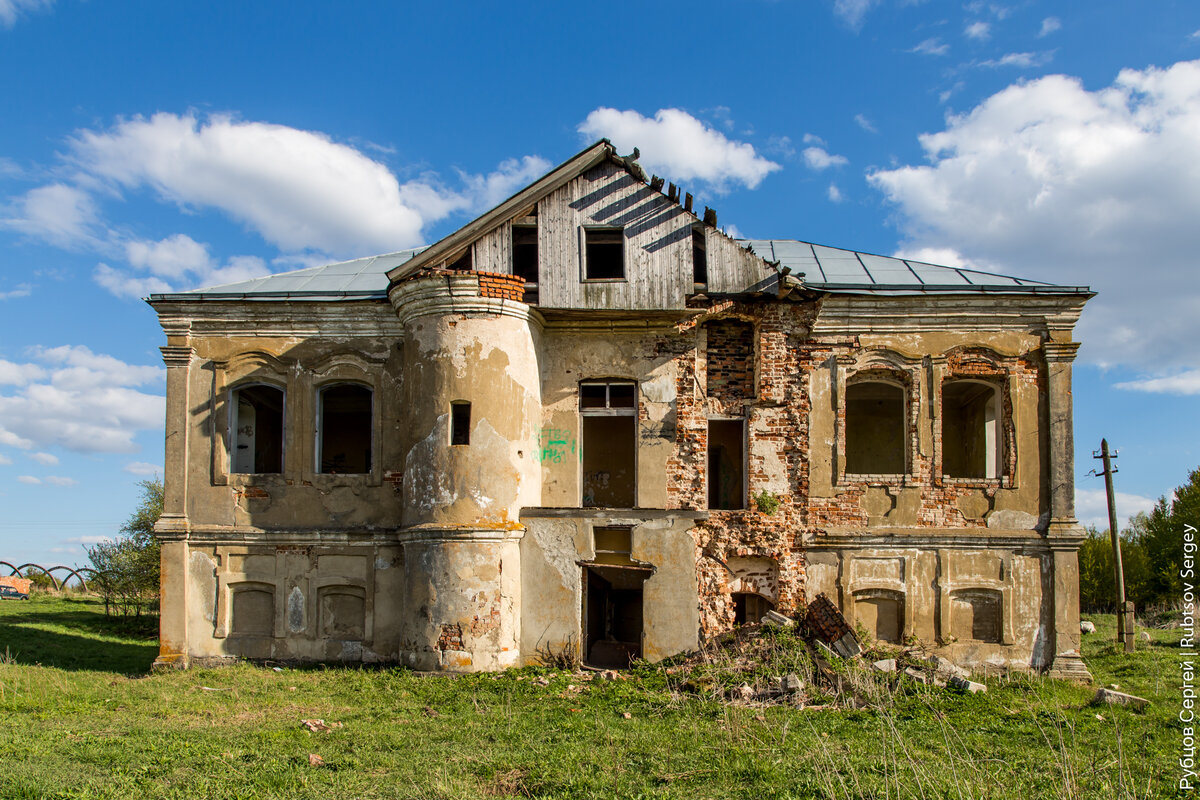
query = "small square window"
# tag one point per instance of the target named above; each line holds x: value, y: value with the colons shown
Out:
x: 605, y: 254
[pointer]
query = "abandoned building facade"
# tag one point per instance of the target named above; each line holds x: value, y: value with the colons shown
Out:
x: 590, y: 421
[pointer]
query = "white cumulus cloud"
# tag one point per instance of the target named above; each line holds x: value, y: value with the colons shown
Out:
x: 818, y: 158
x: 1049, y: 26
x: 931, y: 47
x: 300, y: 190
x: 49, y: 459
x: 11, y: 10
x: 980, y: 31
x: 1091, y: 507
x: 1051, y: 181
x: 59, y: 213
x: 675, y: 144
x: 853, y: 12
x: 834, y: 193
x: 143, y: 468
x: 1019, y: 60
x: 1184, y: 383
x: 82, y: 401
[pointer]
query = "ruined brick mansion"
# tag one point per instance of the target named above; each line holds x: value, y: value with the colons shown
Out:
x: 589, y: 420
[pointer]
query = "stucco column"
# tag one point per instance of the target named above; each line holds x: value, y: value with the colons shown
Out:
x: 1064, y: 532
x: 462, y: 593
x: 171, y: 528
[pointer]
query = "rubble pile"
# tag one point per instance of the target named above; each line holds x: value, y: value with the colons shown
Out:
x: 813, y: 661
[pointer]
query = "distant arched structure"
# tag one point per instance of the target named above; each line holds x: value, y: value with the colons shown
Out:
x: 76, y: 572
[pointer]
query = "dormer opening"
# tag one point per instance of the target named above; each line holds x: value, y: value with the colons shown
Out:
x: 699, y: 260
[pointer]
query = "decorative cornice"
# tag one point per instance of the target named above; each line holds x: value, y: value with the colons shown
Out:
x: 1060, y: 352
x: 176, y: 355
x: 438, y: 295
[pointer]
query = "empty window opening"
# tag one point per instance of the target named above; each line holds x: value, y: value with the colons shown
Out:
x: 253, y: 611
x: 345, y: 443
x: 875, y: 428
x: 975, y: 615
x: 970, y: 430
x: 613, y: 545
x: 609, y: 442
x: 882, y: 614
x: 460, y: 422
x: 612, y: 615
x: 525, y: 252
x: 464, y: 261
x: 729, y: 355
x: 258, y: 430
x: 750, y: 608
x: 726, y: 464
x: 699, y: 258
x: 605, y: 254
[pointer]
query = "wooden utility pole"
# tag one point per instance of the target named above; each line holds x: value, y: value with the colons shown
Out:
x: 1124, y: 609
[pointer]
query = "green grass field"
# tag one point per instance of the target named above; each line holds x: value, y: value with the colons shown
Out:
x: 80, y: 716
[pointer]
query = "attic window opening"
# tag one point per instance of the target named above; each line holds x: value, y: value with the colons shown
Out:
x: 699, y: 258
x: 970, y: 429
x: 525, y: 252
x: 257, y: 430
x: 345, y: 429
x: 875, y: 429
x: 463, y: 263
x: 604, y: 254
x: 460, y: 422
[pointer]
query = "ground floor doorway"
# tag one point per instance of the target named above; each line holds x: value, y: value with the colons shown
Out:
x: 612, y: 615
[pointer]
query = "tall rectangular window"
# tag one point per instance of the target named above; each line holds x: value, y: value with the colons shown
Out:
x: 699, y: 258
x: 726, y: 464
x: 345, y: 429
x: 604, y: 254
x: 460, y: 422
x: 609, y: 417
x: 257, y: 430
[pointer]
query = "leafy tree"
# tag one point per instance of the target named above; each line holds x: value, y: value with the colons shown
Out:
x: 1151, y: 553
x: 127, y: 568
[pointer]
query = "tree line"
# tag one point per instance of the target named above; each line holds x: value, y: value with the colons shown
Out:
x: 1151, y: 554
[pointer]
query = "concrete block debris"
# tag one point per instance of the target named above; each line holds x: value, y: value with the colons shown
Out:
x: 1115, y: 698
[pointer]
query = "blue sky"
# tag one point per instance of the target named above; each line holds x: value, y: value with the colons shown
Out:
x: 147, y: 146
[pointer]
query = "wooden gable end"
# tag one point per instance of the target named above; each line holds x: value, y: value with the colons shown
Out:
x: 657, y: 235
x: 657, y: 244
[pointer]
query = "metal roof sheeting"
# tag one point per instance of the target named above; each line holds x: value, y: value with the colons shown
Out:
x: 835, y: 270
x: 824, y: 268
x: 360, y: 279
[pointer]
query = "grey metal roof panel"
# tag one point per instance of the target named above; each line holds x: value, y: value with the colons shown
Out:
x: 361, y: 278
x: 835, y: 269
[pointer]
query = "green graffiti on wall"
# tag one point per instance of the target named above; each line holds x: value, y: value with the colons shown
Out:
x: 556, y: 445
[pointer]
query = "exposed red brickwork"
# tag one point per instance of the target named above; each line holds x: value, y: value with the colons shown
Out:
x: 496, y: 284
x: 251, y: 492
x: 450, y: 638
x: 395, y: 479
x: 729, y: 356
x: 777, y: 407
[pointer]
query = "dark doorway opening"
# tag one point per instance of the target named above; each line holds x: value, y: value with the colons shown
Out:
x: 612, y: 615
x: 726, y: 458
x: 750, y: 608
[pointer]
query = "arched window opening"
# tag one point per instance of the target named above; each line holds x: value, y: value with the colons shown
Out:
x: 749, y: 607
x: 257, y: 430
x: 875, y: 428
x: 345, y: 429
x: 970, y: 429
